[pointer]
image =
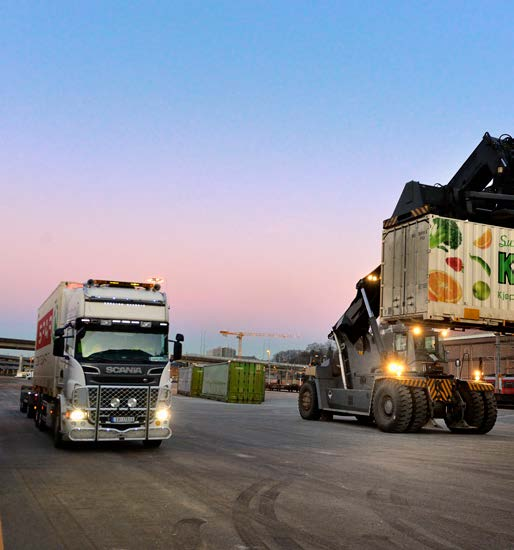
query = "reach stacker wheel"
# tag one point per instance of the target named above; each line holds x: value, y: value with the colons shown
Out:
x: 392, y: 407
x: 308, y: 401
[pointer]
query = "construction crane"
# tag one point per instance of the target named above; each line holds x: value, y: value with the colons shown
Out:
x: 239, y: 335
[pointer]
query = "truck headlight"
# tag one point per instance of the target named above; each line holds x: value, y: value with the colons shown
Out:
x: 395, y: 368
x: 77, y: 415
x: 162, y: 414
x: 477, y: 375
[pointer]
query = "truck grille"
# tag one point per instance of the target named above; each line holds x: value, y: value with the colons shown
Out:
x: 98, y: 401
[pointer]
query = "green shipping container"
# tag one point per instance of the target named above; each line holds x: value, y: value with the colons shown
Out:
x: 190, y: 381
x: 235, y: 382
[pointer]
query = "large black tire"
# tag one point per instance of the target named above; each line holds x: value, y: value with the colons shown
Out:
x: 152, y: 443
x: 31, y: 412
x: 56, y: 429
x: 392, y: 407
x: 420, y: 413
x: 40, y: 424
x: 474, y: 413
x: 308, y: 401
x: 490, y: 413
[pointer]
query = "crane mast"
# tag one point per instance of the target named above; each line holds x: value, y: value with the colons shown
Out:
x: 241, y: 334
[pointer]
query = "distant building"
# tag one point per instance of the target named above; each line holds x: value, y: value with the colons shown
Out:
x: 477, y: 350
x: 228, y: 353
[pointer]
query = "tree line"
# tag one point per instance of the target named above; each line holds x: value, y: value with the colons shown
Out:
x: 315, y: 352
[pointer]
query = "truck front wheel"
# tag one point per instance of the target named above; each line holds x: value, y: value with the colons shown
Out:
x: 392, y: 407
x: 308, y: 401
x: 57, y: 435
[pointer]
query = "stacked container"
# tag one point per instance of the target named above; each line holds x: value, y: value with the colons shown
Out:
x: 234, y: 382
x: 441, y: 269
x: 190, y: 381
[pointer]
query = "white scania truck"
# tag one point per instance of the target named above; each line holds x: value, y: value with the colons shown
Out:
x: 101, y: 364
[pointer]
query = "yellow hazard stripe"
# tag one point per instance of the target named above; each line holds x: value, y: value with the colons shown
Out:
x: 390, y: 222
x: 440, y: 389
x: 480, y: 386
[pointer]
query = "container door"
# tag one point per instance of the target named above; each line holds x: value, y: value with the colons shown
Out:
x: 416, y: 267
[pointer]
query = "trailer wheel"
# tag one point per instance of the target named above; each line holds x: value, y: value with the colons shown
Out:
x: 419, y: 409
x: 308, y: 402
x: 490, y: 413
x: 392, y: 407
x: 152, y: 443
x: 474, y: 413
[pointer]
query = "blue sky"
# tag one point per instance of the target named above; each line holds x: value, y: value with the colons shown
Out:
x: 246, y: 151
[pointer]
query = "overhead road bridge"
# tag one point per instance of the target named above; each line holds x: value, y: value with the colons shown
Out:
x: 17, y: 343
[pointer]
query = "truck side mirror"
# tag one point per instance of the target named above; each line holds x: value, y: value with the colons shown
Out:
x: 177, y: 350
x: 179, y: 337
x: 58, y: 346
x: 59, y: 332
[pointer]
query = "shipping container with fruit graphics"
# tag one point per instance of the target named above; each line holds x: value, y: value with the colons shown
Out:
x: 440, y: 269
x: 447, y: 262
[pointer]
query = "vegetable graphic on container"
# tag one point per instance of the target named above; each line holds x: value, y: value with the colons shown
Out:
x: 485, y: 240
x: 445, y: 234
x: 443, y: 288
x: 455, y: 263
x: 483, y: 263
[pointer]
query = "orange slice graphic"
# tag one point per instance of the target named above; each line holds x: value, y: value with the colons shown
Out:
x: 485, y: 240
x: 443, y: 288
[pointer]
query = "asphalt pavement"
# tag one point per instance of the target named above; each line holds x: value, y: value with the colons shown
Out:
x: 256, y: 477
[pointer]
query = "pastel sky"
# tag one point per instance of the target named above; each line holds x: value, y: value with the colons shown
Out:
x: 247, y: 152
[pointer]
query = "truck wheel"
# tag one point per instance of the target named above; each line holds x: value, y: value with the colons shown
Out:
x: 23, y: 407
x: 308, y: 401
x: 152, y: 443
x: 40, y: 424
x: 419, y: 410
x: 56, y: 429
x: 490, y: 413
x: 31, y: 412
x: 474, y: 413
x: 392, y: 407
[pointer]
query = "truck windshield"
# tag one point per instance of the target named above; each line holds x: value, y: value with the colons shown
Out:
x: 121, y: 347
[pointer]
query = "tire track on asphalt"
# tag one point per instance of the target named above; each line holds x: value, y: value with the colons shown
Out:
x: 274, y: 533
x: 415, y: 531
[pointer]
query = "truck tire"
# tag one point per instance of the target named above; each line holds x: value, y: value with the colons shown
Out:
x: 56, y: 429
x: 31, y: 412
x: 474, y: 413
x: 152, y: 443
x: 23, y: 407
x: 392, y: 407
x: 40, y: 424
x: 419, y: 409
x: 490, y: 413
x: 308, y: 401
